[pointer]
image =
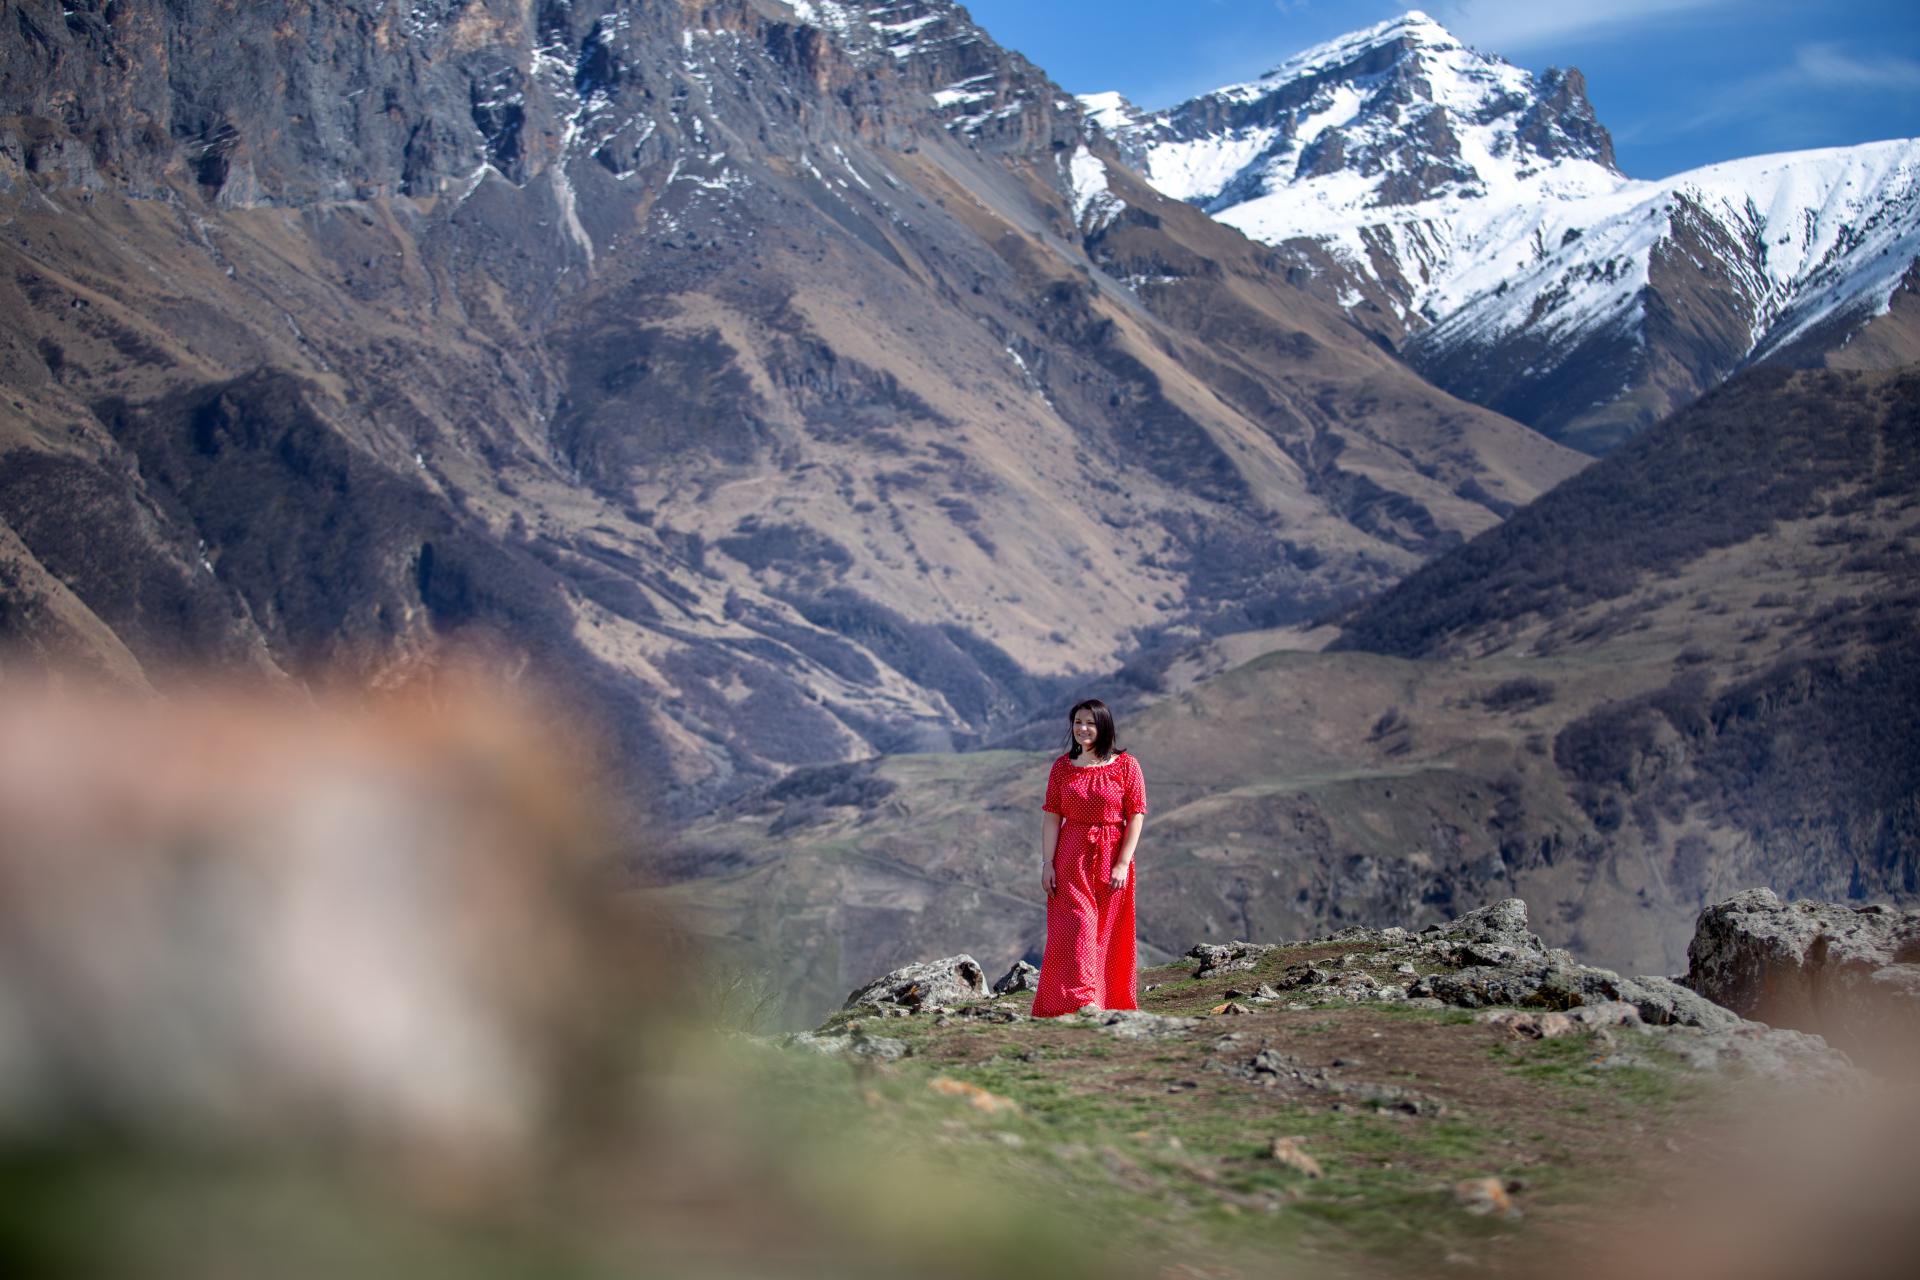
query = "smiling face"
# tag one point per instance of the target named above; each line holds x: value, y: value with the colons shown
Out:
x: 1086, y: 730
x: 1090, y: 729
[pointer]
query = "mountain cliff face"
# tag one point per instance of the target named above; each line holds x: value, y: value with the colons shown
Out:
x: 784, y: 383
x: 1472, y: 215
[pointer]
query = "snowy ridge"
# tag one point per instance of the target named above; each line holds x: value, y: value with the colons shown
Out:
x: 1822, y: 231
x: 1342, y: 51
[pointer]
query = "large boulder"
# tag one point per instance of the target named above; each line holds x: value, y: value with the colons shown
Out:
x: 928, y: 985
x: 1851, y: 974
x: 1496, y: 925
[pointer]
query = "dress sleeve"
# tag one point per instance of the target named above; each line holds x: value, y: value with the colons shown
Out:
x: 1052, y: 803
x: 1134, y: 800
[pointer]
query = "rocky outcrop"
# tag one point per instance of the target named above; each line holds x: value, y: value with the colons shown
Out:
x: 1490, y: 959
x: 1851, y: 974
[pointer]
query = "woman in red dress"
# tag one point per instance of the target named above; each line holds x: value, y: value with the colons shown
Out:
x: 1096, y: 804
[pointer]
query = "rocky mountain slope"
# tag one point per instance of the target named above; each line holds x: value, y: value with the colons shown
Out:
x: 782, y: 383
x: 1688, y: 670
x: 1474, y: 216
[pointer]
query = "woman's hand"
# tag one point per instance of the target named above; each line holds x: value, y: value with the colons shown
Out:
x: 1118, y: 880
x: 1046, y: 876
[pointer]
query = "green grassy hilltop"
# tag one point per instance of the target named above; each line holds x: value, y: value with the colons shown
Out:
x: 1348, y: 1134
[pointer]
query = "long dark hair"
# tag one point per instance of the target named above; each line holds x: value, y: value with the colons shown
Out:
x: 1102, y: 729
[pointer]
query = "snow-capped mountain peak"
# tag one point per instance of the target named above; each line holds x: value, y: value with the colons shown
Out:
x: 1471, y: 212
x: 1393, y: 116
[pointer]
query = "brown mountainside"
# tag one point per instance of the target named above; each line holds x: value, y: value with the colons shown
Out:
x: 781, y: 383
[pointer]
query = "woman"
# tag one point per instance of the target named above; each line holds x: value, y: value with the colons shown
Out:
x: 1096, y: 803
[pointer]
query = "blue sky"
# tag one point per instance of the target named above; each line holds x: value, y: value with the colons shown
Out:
x: 1680, y: 83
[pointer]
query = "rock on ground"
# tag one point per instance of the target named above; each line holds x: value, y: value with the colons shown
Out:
x: 1527, y: 1024
x: 925, y: 985
x: 1232, y: 957
x: 1137, y: 1024
x: 1022, y: 977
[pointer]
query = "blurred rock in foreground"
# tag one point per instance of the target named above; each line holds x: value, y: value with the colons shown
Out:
x: 333, y: 985
x: 1851, y: 974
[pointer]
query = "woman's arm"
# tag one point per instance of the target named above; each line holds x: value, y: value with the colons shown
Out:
x: 1134, y: 806
x: 1123, y: 861
x: 1049, y: 840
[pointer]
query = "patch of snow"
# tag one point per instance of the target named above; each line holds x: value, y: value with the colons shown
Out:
x: 422, y: 20
x: 563, y: 195
x: 848, y: 165
x: 1111, y: 111
x: 825, y: 14
x: 905, y: 30
x: 728, y: 181
x: 966, y: 91
x: 972, y: 124
x: 552, y: 61
x: 472, y: 183
x: 1094, y: 204
x: 1199, y: 169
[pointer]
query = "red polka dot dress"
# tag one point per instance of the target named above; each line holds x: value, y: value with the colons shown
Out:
x: 1090, y: 949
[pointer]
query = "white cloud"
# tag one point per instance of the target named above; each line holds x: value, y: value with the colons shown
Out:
x: 1514, y: 26
x: 1830, y: 66
x: 1787, y: 100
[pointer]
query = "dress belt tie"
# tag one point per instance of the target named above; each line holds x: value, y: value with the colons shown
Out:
x: 1102, y: 832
